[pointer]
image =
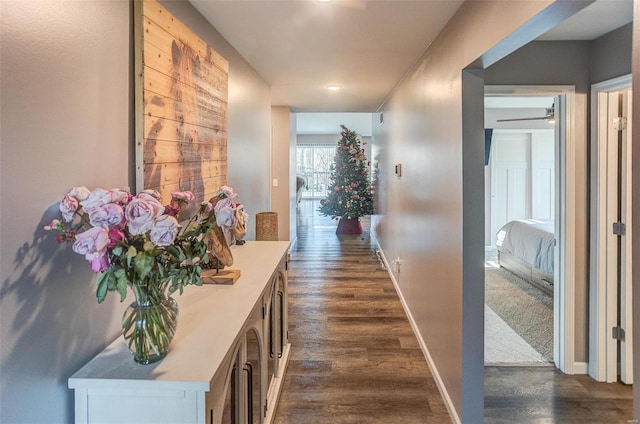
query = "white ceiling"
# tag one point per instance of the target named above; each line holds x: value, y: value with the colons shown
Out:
x: 366, y: 46
x: 300, y: 47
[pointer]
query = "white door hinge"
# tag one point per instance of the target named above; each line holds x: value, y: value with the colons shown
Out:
x: 620, y: 123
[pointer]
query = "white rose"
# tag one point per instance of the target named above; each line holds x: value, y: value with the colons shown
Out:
x: 164, y: 230
x: 141, y: 213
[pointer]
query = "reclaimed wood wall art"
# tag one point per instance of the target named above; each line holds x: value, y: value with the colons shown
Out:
x: 181, y: 107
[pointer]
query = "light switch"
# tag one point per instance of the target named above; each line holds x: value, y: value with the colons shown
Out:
x: 275, y: 182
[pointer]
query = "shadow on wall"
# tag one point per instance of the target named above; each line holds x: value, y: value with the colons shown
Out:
x: 52, y: 325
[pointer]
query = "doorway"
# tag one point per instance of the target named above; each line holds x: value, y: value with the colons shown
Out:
x: 520, y: 206
x: 564, y: 209
x: 610, y: 286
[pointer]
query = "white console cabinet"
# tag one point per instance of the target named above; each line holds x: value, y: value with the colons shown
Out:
x: 226, y: 362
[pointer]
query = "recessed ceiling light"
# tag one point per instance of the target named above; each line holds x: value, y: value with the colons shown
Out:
x: 334, y: 87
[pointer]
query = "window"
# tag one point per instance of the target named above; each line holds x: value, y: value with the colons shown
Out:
x: 313, y: 163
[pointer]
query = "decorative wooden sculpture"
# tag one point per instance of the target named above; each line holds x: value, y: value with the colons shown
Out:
x: 220, y: 256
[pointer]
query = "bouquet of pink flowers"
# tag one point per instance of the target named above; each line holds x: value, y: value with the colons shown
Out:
x: 135, y: 241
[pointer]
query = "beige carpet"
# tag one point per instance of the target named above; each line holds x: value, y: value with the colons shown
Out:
x: 524, y: 308
x: 503, y: 346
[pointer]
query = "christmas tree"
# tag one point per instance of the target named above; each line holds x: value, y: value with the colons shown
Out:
x: 349, y: 191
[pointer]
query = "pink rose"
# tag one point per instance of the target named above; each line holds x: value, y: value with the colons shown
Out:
x: 119, y: 196
x: 187, y: 196
x: 180, y: 199
x: 115, y: 235
x: 68, y: 206
x: 164, y: 230
x: 141, y: 212
x: 80, y: 193
x: 100, y: 264
x: 106, y: 216
x: 53, y: 225
x: 98, y: 197
x: 225, y: 213
x: 145, y: 194
x: 226, y: 191
x: 170, y: 210
x: 92, y: 243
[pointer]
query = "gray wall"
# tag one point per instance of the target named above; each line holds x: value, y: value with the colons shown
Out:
x: 611, y: 55
x: 428, y: 217
x: 282, y: 197
x: 67, y: 119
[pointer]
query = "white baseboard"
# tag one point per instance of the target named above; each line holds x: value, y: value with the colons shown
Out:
x: 432, y: 367
x: 293, y: 242
x: 580, y: 367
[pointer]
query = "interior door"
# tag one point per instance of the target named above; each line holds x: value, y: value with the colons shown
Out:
x: 614, y: 237
x: 626, y: 356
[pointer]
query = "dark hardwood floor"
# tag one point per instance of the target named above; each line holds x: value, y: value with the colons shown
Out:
x: 545, y: 395
x: 355, y: 359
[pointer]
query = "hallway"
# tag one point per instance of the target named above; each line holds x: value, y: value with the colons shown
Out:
x: 355, y: 359
x: 354, y: 356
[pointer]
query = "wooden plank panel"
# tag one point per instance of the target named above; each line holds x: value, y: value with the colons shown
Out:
x: 188, y: 134
x: 206, y: 114
x: 178, y: 171
x: 183, y: 91
x: 182, y: 64
x: 163, y: 51
x: 163, y: 151
x: 156, y: 13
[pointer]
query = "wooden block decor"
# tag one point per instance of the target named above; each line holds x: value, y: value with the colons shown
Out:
x: 224, y: 276
x: 181, y: 107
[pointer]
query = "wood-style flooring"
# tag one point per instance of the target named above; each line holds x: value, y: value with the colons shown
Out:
x: 355, y: 359
x: 545, y: 395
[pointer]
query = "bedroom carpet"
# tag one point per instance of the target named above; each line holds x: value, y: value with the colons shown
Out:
x: 524, y: 308
x: 503, y: 346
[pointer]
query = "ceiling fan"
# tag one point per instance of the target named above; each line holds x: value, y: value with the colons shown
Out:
x: 549, y: 116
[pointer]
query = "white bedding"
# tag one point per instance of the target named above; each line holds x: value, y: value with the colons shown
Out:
x: 531, y: 240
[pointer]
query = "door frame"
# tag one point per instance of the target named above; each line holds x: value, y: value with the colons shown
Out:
x: 564, y: 272
x: 600, y: 314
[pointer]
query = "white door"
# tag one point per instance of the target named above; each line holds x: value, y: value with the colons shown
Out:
x: 611, y: 332
x: 626, y: 350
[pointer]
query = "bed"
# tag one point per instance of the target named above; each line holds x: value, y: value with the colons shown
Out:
x: 526, y: 248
